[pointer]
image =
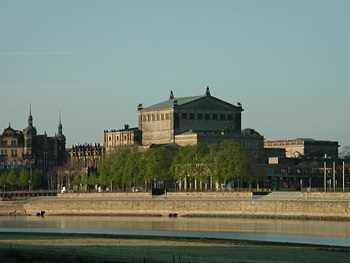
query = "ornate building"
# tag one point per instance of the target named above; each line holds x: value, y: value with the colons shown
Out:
x: 86, y: 157
x: 186, y: 121
x: 199, y: 119
x: 123, y: 137
x: 29, y: 150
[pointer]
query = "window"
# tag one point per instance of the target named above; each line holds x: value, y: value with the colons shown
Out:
x: 215, y: 117
x: 167, y: 116
x: 230, y: 117
x: 162, y: 116
x: 199, y: 116
x: 207, y: 116
x: 184, y: 116
x: 191, y: 116
x: 222, y: 117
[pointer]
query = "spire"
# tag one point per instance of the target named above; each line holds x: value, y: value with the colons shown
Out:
x: 30, y: 118
x: 60, y: 135
x: 59, y: 125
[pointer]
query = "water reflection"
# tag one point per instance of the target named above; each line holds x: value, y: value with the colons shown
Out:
x: 228, y: 225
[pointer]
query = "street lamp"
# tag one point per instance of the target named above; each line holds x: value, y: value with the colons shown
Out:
x: 324, y: 173
x: 343, y: 175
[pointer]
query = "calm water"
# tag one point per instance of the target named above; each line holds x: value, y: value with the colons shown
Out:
x: 293, y: 231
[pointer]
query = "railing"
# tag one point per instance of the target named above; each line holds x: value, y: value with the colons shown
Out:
x: 26, y: 194
x: 328, y: 190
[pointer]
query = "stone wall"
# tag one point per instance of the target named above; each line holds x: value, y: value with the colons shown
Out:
x: 329, y: 210
x: 211, y: 204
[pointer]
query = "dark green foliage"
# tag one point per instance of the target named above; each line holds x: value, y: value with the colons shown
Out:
x: 128, y: 166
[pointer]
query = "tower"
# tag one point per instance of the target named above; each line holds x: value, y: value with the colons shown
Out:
x: 30, y: 136
x: 61, y: 143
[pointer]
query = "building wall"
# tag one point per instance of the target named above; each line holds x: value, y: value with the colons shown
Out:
x: 85, y: 156
x: 157, y: 126
x: 299, y: 147
x: 160, y: 125
x: 123, y: 137
x: 207, y: 114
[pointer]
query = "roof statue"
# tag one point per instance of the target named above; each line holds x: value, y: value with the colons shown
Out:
x: 207, y: 91
x: 171, y: 95
x: 139, y: 107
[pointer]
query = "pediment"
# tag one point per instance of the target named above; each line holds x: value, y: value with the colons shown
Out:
x: 210, y: 103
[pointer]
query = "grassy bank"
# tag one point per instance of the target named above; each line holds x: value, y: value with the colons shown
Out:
x: 69, y: 248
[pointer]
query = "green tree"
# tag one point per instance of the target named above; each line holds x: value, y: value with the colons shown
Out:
x: 36, y: 179
x: 233, y: 162
x: 12, y: 179
x: 189, y: 163
x: 92, y: 179
x: 105, y: 174
x: 3, y: 181
x: 118, y: 159
x: 212, y: 165
x: 76, y: 181
x: 132, y: 168
x: 180, y: 164
x: 23, y: 179
x: 158, y: 162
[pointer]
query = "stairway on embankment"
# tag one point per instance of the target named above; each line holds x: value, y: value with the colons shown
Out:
x: 279, y: 195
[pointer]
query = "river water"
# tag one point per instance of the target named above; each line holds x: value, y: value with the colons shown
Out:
x: 293, y: 231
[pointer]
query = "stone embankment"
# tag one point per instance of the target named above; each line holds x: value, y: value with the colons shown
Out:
x: 295, y: 205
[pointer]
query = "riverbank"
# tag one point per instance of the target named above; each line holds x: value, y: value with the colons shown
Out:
x: 290, y: 205
x: 42, y: 247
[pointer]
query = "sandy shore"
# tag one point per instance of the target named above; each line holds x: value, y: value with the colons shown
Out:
x: 107, y: 248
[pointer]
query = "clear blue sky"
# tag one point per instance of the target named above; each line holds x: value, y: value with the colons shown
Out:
x: 286, y: 61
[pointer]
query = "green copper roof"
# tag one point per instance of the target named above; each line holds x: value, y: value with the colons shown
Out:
x: 170, y: 102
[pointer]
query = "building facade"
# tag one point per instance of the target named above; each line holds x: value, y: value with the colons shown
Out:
x: 198, y: 119
x: 305, y: 147
x: 160, y: 123
x: 123, y: 137
x: 86, y: 157
x: 29, y: 150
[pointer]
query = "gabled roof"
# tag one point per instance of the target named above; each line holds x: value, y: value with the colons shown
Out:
x: 170, y: 102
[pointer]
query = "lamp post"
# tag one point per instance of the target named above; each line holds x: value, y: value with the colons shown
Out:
x: 324, y: 173
x: 334, y: 182
x: 343, y: 175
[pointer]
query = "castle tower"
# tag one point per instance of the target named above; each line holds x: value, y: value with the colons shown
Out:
x: 61, y: 143
x: 30, y: 136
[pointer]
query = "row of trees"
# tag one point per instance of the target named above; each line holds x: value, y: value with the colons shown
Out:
x: 20, y: 181
x: 128, y: 166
